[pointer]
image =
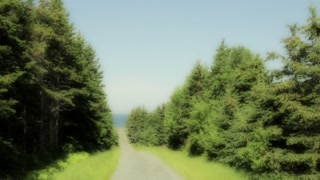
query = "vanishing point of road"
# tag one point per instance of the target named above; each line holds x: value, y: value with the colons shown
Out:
x: 134, y: 165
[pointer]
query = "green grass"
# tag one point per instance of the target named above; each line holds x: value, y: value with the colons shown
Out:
x: 193, y: 168
x: 82, y: 166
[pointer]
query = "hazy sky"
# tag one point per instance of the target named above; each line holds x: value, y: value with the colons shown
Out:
x: 148, y: 47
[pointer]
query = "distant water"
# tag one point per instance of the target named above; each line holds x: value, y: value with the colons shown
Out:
x: 119, y: 120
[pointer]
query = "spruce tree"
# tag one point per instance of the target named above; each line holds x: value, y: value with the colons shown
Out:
x: 52, y: 100
x: 178, y: 121
x: 297, y: 95
x: 197, y: 86
x: 235, y: 72
x: 154, y: 127
x: 13, y: 19
x: 136, y: 124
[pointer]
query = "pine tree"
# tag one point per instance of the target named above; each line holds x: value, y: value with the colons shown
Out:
x: 146, y: 128
x: 176, y: 115
x: 11, y: 47
x: 154, y: 133
x: 13, y: 19
x: 136, y: 124
x: 60, y: 89
x: 197, y: 85
x: 52, y: 100
x: 178, y: 121
x: 297, y: 95
x: 88, y: 124
x: 235, y: 73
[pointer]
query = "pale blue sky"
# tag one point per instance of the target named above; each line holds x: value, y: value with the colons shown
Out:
x: 148, y: 47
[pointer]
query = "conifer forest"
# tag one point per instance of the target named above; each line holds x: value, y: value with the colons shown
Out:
x: 237, y: 113
x: 234, y: 111
x: 51, y: 94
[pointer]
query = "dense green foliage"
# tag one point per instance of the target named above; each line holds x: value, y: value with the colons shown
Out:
x: 238, y: 114
x: 51, y: 97
x: 146, y: 128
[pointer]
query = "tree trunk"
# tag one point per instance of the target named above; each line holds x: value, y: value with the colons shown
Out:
x: 42, y: 133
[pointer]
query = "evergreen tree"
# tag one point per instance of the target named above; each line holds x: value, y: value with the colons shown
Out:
x: 88, y: 124
x: 240, y: 116
x: 154, y: 133
x: 51, y: 94
x: 197, y: 86
x: 136, y: 124
x: 297, y: 95
x: 176, y: 115
x: 146, y: 128
x: 13, y: 19
x: 234, y: 73
x: 178, y: 121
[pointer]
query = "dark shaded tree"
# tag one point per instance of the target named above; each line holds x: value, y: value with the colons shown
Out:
x: 52, y: 100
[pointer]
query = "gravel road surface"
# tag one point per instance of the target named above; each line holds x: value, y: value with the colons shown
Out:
x: 134, y: 165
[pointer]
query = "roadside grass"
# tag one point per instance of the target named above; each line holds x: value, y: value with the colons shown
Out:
x: 193, y: 168
x: 82, y: 166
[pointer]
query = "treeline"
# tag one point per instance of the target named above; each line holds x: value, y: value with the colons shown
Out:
x: 237, y: 113
x: 51, y: 94
x: 146, y: 128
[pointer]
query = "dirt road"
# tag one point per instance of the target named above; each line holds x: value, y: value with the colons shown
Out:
x: 134, y: 165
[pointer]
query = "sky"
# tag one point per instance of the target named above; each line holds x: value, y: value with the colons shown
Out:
x: 146, y: 48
